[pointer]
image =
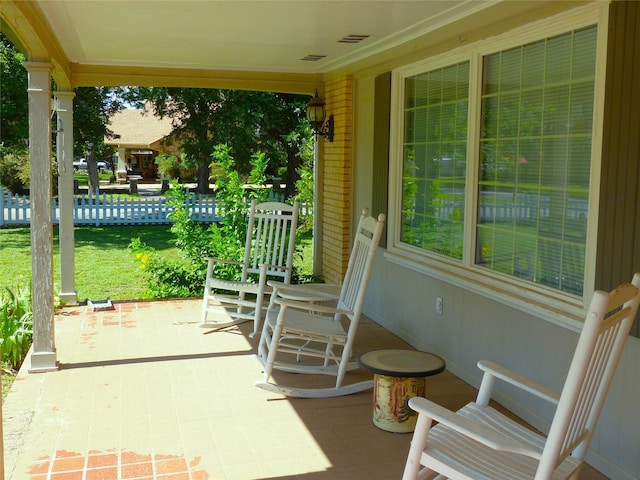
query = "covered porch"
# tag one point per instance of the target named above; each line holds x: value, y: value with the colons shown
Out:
x: 142, y: 393
x: 486, y: 314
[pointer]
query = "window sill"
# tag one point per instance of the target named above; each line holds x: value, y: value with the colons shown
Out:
x: 562, y: 310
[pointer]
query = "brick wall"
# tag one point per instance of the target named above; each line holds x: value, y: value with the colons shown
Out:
x: 338, y: 173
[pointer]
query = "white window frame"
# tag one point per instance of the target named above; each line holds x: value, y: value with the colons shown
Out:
x: 553, y: 305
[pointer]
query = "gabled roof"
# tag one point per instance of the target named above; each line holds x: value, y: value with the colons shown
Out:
x: 138, y: 128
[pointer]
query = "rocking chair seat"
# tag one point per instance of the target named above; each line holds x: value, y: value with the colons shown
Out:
x: 298, y: 338
x: 246, y: 287
x: 310, y: 325
x: 308, y: 292
x: 453, y: 450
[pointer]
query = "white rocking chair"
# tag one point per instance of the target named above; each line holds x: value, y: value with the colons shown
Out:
x: 300, y: 322
x: 479, y: 442
x: 269, y: 248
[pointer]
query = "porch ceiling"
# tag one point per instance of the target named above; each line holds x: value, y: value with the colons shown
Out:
x: 234, y: 36
x: 270, y: 36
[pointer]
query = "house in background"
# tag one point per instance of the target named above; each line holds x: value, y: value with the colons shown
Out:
x: 139, y: 137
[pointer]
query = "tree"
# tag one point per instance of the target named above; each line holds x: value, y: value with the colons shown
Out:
x: 247, y: 121
x: 14, y: 118
x: 14, y: 101
x: 273, y: 123
x: 92, y: 108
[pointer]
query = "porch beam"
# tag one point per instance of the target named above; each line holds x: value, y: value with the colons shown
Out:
x: 43, y: 356
x: 98, y: 75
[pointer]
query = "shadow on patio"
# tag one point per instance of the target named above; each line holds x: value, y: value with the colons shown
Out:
x: 142, y: 393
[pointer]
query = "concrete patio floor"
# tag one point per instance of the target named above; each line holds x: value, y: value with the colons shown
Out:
x: 143, y: 393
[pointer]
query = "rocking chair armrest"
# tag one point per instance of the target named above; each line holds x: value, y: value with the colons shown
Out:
x: 472, y: 429
x: 312, y: 292
x: 276, y: 284
x: 504, y: 374
x: 311, y: 307
x: 222, y: 260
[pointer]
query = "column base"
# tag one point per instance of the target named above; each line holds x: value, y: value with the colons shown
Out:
x: 70, y: 298
x: 43, y: 362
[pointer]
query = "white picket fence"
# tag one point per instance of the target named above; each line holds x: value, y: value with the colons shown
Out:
x: 103, y: 209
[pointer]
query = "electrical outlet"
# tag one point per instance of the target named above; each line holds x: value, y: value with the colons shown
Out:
x: 439, y: 305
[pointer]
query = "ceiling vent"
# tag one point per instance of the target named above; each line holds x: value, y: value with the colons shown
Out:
x: 313, y: 58
x: 353, y: 38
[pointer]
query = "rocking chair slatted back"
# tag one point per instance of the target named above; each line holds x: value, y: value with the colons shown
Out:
x: 268, y: 253
x: 271, y: 243
x: 360, y: 265
x: 597, y: 355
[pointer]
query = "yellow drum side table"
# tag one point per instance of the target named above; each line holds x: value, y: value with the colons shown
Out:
x: 398, y: 376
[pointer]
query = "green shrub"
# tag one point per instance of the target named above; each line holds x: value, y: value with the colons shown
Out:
x: 14, y: 171
x: 304, y: 186
x: 17, y: 326
x: 183, y: 277
x: 305, y: 196
x: 167, y: 278
x: 195, y: 241
x: 171, y: 166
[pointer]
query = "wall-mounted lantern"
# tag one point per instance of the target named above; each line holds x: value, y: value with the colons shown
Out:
x: 316, y: 114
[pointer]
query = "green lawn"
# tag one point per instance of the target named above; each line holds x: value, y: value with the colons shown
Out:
x: 104, y: 267
x: 83, y: 177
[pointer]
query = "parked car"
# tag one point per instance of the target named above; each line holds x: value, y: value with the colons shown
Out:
x: 81, y: 164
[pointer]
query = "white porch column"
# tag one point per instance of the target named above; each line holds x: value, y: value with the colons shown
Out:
x: 66, y: 236
x: 43, y: 357
x: 122, y: 159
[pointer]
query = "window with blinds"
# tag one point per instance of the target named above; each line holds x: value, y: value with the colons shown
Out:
x: 435, y: 149
x: 535, y: 157
x: 526, y: 116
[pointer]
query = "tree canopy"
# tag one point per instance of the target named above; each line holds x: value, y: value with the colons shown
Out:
x: 14, y: 102
x: 247, y: 121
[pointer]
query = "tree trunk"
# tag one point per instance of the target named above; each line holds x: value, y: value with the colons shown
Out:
x: 92, y: 170
x: 203, y: 178
x: 293, y: 175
